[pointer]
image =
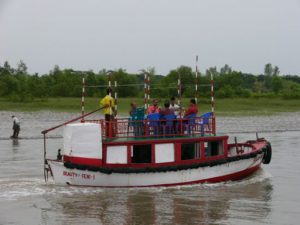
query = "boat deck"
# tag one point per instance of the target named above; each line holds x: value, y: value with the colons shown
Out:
x: 157, y: 138
x: 124, y: 129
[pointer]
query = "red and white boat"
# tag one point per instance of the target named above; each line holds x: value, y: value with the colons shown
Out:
x: 147, y: 153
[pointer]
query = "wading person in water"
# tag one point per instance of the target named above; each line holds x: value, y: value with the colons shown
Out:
x: 16, y: 127
x: 108, y: 102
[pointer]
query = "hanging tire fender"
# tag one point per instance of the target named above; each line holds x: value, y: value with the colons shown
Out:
x: 267, y: 154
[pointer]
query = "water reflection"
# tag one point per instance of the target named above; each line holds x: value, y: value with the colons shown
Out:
x: 187, y: 205
x: 140, y: 208
x: 253, y: 201
x: 15, y: 143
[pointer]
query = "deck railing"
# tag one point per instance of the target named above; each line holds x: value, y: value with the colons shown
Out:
x: 127, y: 128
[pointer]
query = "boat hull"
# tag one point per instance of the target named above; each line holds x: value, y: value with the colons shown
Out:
x: 224, y: 172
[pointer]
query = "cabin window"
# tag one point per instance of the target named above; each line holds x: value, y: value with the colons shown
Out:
x: 190, y: 151
x: 141, y: 154
x: 164, y: 153
x: 116, y: 154
x: 213, y: 148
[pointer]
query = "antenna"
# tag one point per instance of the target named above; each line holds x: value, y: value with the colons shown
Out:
x: 196, y: 81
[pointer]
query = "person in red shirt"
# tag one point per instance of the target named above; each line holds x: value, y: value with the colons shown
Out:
x: 153, y: 108
x: 193, y: 109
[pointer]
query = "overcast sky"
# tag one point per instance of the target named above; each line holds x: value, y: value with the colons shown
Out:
x: 138, y: 34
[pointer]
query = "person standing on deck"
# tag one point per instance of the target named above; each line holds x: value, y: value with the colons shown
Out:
x: 154, y: 108
x: 167, y: 110
x: 132, y: 109
x: 174, y: 106
x: 108, y: 102
x: 192, y: 109
x: 16, y: 127
x: 136, y: 119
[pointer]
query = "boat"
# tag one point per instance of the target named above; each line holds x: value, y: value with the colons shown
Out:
x: 151, y: 153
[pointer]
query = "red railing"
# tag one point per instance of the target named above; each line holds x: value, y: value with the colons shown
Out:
x: 126, y: 128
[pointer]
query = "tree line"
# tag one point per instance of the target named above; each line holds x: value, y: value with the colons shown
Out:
x: 16, y: 84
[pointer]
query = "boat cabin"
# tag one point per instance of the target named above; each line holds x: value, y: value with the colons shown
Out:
x: 155, y: 144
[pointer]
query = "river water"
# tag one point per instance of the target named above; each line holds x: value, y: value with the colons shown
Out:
x: 270, y: 196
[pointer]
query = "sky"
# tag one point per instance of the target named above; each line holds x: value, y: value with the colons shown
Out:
x: 140, y: 34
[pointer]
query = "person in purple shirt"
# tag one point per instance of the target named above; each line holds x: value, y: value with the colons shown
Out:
x: 166, y: 110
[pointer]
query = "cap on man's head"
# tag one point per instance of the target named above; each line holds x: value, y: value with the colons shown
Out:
x: 12, y: 116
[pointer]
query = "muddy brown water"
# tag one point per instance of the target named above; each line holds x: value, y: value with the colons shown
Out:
x: 270, y: 196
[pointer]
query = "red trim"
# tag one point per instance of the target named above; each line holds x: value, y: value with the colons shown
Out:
x: 129, y: 154
x: 177, y: 147
x: 129, y: 164
x: 225, y: 146
x: 178, y: 161
x: 234, y: 176
x: 171, y: 140
x: 83, y: 161
x: 104, y: 151
x: 153, y: 154
x: 215, y: 157
x: 177, y: 142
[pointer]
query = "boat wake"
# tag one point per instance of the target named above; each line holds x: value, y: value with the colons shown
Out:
x: 29, y: 187
x: 15, y: 189
x: 30, y: 138
x: 259, y: 176
x: 25, y: 187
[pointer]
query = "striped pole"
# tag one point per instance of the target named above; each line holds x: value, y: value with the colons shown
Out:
x: 148, y: 89
x: 212, y: 103
x: 196, y: 81
x: 145, y: 90
x: 109, y: 79
x: 116, y: 98
x: 109, y: 85
x: 110, y: 72
x: 82, y: 98
x: 179, y: 92
x: 212, y: 92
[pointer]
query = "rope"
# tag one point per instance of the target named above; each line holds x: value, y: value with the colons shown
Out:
x: 70, y: 121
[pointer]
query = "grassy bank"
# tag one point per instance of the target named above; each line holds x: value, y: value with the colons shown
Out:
x: 235, y: 106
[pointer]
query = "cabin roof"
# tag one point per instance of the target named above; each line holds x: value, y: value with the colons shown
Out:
x: 152, y: 139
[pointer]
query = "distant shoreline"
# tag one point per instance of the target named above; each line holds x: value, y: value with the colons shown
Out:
x: 223, y: 107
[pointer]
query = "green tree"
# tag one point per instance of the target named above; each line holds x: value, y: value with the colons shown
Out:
x: 258, y: 87
x: 21, y: 68
x: 276, y: 71
x: 212, y: 71
x: 225, y: 69
x: 6, y: 69
x: 268, y: 71
x: 123, y: 79
x: 277, y: 84
x: 225, y: 92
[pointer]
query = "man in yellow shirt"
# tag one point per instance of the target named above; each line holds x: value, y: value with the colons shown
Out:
x: 108, y: 102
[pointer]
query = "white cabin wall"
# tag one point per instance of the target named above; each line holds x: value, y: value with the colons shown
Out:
x: 116, y: 154
x: 164, y: 153
x: 83, y: 140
